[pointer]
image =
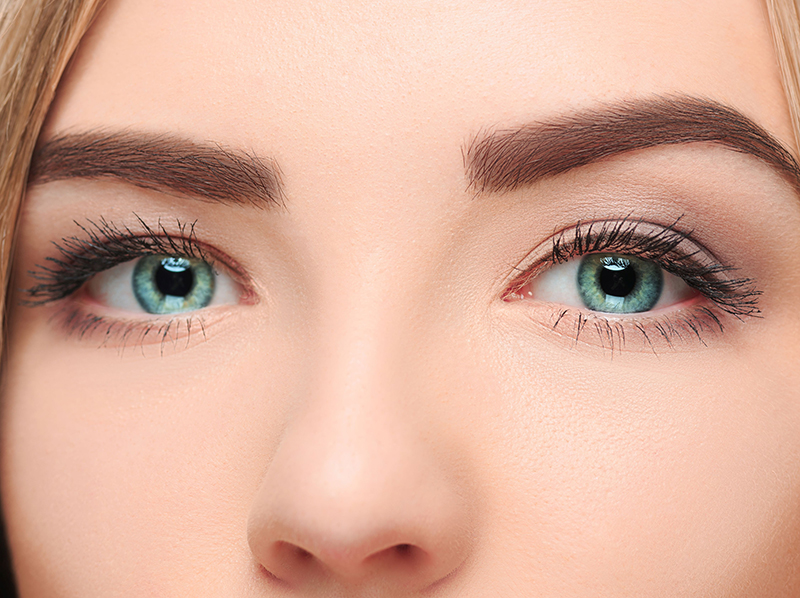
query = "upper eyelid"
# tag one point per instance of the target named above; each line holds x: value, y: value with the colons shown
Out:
x: 663, y: 239
x: 92, y: 252
x: 700, y: 268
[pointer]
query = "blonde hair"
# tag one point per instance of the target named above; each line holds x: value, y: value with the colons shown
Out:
x: 784, y: 18
x: 37, y: 39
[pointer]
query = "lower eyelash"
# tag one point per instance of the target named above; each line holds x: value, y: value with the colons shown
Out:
x: 649, y: 333
x: 174, y: 332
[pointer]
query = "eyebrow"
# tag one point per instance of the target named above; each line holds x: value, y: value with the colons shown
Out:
x: 506, y: 160
x: 161, y: 162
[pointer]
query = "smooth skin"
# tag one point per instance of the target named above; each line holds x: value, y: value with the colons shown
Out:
x: 375, y: 419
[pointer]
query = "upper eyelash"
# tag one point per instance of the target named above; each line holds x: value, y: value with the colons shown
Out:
x: 104, y: 246
x: 734, y: 295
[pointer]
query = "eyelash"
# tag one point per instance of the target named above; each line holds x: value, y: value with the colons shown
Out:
x: 663, y: 245
x: 103, y: 246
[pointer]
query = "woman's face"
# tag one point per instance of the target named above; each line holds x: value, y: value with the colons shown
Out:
x: 313, y: 313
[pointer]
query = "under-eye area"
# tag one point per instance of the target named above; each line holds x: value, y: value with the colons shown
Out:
x: 609, y: 282
x: 168, y: 333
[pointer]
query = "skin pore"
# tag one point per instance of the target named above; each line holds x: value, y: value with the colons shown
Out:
x: 385, y: 404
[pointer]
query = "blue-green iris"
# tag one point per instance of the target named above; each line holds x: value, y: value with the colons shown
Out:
x: 619, y: 284
x: 166, y: 284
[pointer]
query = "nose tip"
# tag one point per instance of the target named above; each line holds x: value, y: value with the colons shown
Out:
x: 356, y: 505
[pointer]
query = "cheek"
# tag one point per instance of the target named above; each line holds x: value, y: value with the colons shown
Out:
x: 634, y: 473
x: 644, y: 473
x: 124, y: 470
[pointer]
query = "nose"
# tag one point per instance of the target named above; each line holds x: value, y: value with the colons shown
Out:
x: 356, y: 495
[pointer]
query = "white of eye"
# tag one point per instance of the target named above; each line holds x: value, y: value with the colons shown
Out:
x: 114, y: 288
x: 559, y: 284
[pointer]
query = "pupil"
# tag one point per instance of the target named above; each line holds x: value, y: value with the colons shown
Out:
x: 174, y: 277
x: 616, y: 281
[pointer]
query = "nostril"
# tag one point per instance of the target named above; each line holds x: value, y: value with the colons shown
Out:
x: 292, y: 563
x: 294, y: 556
x: 302, y: 554
x: 289, y: 562
x: 407, y: 556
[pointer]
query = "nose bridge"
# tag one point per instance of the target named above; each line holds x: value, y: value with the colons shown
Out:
x: 350, y: 439
x: 368, y: 322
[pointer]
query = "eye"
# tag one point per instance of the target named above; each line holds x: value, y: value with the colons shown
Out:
x: 610, y: 283
x: 163, y: 284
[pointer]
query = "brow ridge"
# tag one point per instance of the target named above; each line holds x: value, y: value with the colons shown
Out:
x: 161, y: 162
x: 508, y: 159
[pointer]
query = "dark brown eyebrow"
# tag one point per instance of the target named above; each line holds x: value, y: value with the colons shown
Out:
x: 506, y: 160
x: 161, y: 162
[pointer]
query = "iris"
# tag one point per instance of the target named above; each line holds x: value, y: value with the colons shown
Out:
x: 166, y: 284
x: 621, y: 284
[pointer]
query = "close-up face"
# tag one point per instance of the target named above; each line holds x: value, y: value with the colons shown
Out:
x: 319, y: 298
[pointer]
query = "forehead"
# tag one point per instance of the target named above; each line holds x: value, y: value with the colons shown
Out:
x: 349, y: 74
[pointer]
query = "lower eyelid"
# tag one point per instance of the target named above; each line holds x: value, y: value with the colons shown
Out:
x: 81, y: 322
x: 693, y: 325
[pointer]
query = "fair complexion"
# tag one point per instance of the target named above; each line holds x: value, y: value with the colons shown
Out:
x: 377, y: 403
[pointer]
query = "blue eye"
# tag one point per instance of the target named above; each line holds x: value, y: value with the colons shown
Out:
x: 609, y: 283
x: 619, y: 284
x: 168, y: 285
x: 163, y: 284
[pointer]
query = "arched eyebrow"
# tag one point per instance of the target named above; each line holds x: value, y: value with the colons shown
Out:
x: 506, y: 160
x: 161, y: 162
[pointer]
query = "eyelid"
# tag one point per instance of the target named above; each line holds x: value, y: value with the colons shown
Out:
x: 612, y: 236
x: 671, y: 248
x: 102, y: 245
x: 61, y: 280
